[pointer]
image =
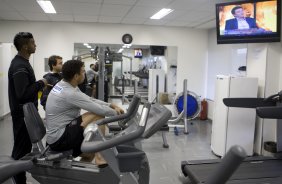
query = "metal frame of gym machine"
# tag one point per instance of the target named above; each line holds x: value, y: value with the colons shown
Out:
x: 253, y: 170
x: 127, y: 162
x: 183, y: 114
x: 220, y: 175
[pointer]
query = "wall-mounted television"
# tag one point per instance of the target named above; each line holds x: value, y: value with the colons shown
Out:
x: 157, y: 50
x: 138, y: 53
x: 250, y: 21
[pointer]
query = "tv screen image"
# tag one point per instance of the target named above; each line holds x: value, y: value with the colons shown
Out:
x: 248, y: 21
x: 157, y: 50
x: 138, y: 53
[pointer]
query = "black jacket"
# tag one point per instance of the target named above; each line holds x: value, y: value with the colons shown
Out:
x: 53, y: 79
x: 22, y: 85
x: 83, y: 85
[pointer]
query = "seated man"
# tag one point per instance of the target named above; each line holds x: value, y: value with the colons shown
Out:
x: 240, y: 21
x: 64, y: 124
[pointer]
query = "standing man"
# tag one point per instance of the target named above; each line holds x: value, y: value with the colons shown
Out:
x: 91, y: 75
x: 55, y: 64
x: 23, y: 88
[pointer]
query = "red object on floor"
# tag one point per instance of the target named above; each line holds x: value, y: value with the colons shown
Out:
x: 204, y: 110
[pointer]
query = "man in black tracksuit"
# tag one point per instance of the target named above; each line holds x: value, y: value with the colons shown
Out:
x: 23, y: 88
x: 55, y: 64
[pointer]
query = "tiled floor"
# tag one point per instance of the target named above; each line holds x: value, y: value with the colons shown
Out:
x: 164, y: 163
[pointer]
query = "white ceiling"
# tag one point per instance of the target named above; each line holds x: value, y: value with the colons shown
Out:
x: 187, y: 13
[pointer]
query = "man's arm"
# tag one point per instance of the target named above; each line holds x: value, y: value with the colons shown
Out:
x: 113, y: 106
x: 25, y: 90
x: 83, y: 101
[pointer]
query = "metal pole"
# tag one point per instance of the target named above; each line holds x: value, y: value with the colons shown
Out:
x: 101, y: 75
x: 122, y: 89
x: 121, y: 68
x: 185, y: 99
x: 135, y: 86
x: 278, y: 132
x: 157, y: 88
x: 130, y: 72
x: 130, y: 58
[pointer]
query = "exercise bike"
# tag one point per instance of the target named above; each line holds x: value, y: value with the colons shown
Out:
x: 127, y: 163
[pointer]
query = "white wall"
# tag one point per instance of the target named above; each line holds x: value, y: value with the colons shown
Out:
x: 223, y: 59
x: 7, y: 52
x: 263, y: 61
x: 58, y: 38
x: 280, y: 76
x: 3, y: 78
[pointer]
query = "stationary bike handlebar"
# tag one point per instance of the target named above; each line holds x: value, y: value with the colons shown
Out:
x: 230, y: 162
x: 269, y: 101
x: 89, y: 145
x: 275, y: 97
x: 14, y: 167
x: 131, y: 112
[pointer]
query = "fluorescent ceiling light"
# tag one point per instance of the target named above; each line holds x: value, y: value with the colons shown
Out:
x: 46, y: 6
x: 88, y: 46
x: 120, y: 50
x: 85, y: 44
x: 160, y: 14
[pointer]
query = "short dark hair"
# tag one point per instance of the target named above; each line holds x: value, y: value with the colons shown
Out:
x: 236, y: 8
x: 52, y: 61
x: 70, y: 68
x: 96, y: 68
x: 91, y: 65
x: 21, y: 39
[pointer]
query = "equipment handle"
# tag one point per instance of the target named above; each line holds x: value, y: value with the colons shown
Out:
x: 271, y: 97
x: 58, y: 156
x: 131, y: 112
x: 89, y: 146
x: 14, y: 167
x: 228, y: 165
x: 270, y: 112
x: 247, y: 102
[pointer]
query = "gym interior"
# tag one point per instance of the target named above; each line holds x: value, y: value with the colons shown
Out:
x: 202, y: 104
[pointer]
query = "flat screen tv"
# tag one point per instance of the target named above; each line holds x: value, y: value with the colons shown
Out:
x: 250, y: 21
x: 157, y: 50
x: 138, y: 53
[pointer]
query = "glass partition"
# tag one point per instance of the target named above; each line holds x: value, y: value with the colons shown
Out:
x: 127, y: 66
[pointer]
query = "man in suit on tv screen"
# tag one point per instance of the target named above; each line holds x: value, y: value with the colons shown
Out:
x: 240, y: 21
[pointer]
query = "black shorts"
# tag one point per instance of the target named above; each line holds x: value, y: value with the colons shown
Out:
x: 71, y: 139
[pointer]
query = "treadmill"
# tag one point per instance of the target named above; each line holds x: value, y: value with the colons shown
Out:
x: 253, y: 170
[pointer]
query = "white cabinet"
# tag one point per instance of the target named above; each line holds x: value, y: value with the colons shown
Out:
x: 233, y: 126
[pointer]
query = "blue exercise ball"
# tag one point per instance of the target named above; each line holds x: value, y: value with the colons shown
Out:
x: 192, y: 105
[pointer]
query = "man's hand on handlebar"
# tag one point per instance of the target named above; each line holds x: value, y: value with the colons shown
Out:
x: 117, y: 109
